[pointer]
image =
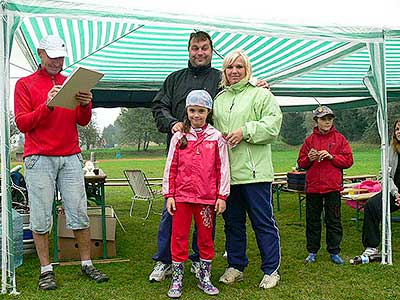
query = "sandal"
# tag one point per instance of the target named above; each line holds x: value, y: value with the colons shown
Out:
x: 47, y: 281
x: 94, y: 274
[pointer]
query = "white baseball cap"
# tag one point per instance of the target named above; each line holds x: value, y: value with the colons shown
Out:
x: 54, y: 46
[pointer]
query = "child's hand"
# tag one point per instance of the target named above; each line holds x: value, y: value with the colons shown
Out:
x: 171, y: 206
x: 313, y: 154
x: 220, y: 206
x: 324, y: 154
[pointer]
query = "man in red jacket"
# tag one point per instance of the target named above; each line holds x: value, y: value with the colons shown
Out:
x: 324, y: 154
x: 52, y: 157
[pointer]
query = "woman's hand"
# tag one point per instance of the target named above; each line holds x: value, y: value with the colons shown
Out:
x: 171, y: 206
x: 220, y: 206
x: 235, y: 137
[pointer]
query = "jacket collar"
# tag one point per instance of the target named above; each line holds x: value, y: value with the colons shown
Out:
x: 239, y: 86
x: 42, y: 71
x: 198, y: 70
x: 207, y: 130
x: 316, y: 131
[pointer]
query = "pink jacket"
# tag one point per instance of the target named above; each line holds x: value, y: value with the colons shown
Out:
x: 200, y: 172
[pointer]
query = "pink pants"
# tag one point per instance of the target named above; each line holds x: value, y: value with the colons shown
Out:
x: 181, y: 223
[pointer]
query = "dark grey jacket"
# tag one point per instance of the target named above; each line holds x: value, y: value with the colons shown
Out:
x: 168, y: 105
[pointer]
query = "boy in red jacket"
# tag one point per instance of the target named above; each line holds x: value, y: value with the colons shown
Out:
x: 324, y: 154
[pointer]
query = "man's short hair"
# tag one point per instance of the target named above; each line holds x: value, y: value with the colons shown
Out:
x: 200, y: 36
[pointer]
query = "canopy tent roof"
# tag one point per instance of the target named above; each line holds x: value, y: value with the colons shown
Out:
x: 137, y: 49
x: 137, y: 46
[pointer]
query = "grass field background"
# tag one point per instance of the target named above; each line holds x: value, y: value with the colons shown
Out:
x: 322, y: 280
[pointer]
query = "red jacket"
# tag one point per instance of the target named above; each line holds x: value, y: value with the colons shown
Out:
x: 327, y: 175
x: 200, y: 172
x: 47, y: 132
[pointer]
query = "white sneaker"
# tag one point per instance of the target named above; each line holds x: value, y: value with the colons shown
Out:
x: 231, y: 275
x: 269, y: 281
x: 160, y: 272
x: 225, y: 255
x: 369, y: 251
x: 195, y: 268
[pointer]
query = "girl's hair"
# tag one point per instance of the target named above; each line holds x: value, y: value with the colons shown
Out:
x: 186, y: 128
x: 395, y: 141
x: 228, y: 61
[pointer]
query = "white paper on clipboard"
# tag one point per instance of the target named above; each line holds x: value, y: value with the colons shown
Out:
x: 81, y: 79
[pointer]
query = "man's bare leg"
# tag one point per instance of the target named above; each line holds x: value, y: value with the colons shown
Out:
x: 47, y: 280
x: 82, y: 236
x: 42, y: 247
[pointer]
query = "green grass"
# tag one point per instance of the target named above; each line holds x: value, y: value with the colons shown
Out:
x: 323, y: 280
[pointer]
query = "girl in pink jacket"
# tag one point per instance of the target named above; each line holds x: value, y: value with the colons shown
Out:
x: 196, y: 184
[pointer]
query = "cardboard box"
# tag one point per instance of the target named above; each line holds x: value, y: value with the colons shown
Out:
x: 68, y: 248
x: 95, y: 224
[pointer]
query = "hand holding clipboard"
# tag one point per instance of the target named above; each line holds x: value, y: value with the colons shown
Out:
x: 69, y: 95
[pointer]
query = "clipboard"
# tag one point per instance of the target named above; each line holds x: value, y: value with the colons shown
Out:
x: 80, y: 79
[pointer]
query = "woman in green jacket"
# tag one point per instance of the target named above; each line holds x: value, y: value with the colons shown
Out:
x: 250, y: 118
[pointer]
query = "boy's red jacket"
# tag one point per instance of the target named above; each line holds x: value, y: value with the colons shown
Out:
x: 200, y: 172
x: 327, y: 175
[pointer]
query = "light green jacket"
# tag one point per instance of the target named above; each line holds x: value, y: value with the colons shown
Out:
x: 256, y: 111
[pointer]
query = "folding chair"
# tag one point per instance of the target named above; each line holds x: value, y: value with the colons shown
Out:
x: 141, y: 189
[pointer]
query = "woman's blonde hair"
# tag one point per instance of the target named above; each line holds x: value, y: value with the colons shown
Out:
x: 395, y: 141
x: 228, y: 61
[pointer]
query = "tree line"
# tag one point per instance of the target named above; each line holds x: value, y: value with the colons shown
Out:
x: 357, y: 125
x: 136, y: 126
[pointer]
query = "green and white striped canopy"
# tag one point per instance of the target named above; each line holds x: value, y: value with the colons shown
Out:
x: 136, y: 50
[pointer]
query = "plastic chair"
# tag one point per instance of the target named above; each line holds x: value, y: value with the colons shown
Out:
x: 141, y: 189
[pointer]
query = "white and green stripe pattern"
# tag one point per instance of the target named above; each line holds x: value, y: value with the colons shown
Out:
x: 136, y: 56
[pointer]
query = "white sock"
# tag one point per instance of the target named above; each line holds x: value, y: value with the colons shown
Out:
x: 46, y: 268
x: 86, y: 263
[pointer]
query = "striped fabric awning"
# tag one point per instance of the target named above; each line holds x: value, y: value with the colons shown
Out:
x: 136, y: 57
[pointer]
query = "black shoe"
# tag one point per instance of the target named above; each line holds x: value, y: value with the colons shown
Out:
x: 47, y: 281
x: 94, y: 274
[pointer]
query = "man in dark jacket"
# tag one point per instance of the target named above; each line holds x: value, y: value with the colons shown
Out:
x: 169, y: 113
x: 169, y: 103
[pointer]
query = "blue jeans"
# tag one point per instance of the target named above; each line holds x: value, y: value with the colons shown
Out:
x: 164, y: 239
x: 43, y: 174
x: 256, y: 200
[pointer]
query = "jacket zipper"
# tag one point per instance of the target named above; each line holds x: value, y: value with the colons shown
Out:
x: 253, y: 165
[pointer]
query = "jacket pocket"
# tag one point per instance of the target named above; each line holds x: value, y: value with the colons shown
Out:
x: 30, y: 161
x: 80, y: 157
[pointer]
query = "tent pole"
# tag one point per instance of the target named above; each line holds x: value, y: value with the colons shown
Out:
x: 7, y: 243
x: 376, y: 84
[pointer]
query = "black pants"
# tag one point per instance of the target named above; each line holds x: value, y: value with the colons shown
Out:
x: 331, y: 203
x: 371, y: 234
